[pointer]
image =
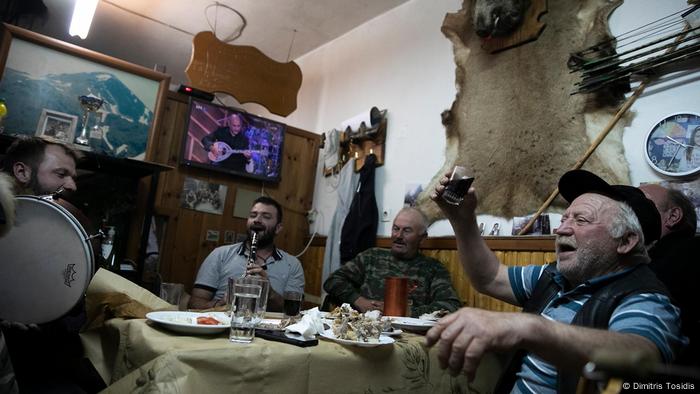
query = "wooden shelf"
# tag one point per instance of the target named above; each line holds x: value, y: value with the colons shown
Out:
x: 106, y: 164
x: 543, y: 243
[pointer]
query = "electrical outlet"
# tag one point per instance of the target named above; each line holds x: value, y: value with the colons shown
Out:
x: 311, y: 216
x: 386, y: 215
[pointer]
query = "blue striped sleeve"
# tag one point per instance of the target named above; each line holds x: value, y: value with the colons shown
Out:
x: 523, y: 280
x: 653, y: 317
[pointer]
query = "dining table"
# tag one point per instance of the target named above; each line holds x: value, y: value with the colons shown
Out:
x: 137, y: 355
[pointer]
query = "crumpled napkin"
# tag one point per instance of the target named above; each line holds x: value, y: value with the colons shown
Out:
x: 309, y: 325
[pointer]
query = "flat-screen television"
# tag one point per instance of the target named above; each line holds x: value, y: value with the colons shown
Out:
x: 233, y: 141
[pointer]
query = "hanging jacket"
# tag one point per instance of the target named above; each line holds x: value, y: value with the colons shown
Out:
x: 360, y: 227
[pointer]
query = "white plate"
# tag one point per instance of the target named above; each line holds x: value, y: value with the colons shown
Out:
x: 410, y: 323
x: 394, y: 333
x: 383, y: 340
x: 178, y: 321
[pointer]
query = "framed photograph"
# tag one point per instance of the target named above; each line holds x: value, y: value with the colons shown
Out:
x: 229, y: 237
x: 203, y: 196
x: 39, y: 73
x: 57, y: 126
x: 212, y: 236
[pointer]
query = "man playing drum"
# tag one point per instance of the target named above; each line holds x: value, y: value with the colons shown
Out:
x: 47, y: 356
x: 41, y: 167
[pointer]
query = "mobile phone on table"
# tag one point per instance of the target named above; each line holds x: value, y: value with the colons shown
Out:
x: 286, y: 337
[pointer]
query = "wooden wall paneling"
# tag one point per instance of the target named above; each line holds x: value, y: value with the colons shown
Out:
x: 313, y: 270
x: 520, y: 251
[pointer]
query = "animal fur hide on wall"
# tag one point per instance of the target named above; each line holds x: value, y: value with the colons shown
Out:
x: 514, y: 124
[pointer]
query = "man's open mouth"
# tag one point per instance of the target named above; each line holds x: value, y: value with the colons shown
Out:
x: 565, y: 248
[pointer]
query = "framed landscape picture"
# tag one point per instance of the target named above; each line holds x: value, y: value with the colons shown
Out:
x: 42, y: 76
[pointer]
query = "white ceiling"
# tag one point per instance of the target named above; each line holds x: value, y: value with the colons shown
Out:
x: 150, y: 32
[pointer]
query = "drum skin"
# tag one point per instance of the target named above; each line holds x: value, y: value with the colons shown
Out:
x: 46, y: 264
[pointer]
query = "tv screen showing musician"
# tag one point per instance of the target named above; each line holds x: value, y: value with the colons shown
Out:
x: 233, y: 141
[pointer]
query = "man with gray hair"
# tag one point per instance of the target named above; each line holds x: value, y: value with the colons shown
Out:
x: 599, y: 295
x: 360, y: 281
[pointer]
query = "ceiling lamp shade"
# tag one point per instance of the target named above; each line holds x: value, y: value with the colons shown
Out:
x: 82, y: 17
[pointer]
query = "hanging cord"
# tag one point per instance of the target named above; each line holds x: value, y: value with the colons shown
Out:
x: 230, y: 38
x: 148, y: 17
x: 289, y: 52
x: 237, y: 33
x: 318, y: 213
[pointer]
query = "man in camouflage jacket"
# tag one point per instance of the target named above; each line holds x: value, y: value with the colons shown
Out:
x: 360, y: 281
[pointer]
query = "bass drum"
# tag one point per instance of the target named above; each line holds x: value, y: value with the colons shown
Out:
x: 47, y: 262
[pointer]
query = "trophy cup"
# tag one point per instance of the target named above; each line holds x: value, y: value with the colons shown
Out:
x: 89, y: 104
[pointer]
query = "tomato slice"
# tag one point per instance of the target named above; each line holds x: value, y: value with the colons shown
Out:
x: 208, y: 320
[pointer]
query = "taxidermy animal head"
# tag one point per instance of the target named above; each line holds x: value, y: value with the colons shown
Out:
x: 498, y: 18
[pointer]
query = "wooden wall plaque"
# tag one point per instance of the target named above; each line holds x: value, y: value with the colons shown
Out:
x: 243, y: 72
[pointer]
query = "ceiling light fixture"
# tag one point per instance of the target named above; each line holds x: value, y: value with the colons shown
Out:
x: 82, y: 18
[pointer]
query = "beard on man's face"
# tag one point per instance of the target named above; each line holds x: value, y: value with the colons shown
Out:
x: 265, y: 236
x: 590, y: 260
x: 34, y: 187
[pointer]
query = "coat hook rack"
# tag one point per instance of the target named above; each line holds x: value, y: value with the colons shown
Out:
x: 362, y: 140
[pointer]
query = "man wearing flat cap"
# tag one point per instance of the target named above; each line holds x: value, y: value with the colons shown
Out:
x: 598, y: 295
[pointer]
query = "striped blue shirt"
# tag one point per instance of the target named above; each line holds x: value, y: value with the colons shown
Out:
x: 650, y: 315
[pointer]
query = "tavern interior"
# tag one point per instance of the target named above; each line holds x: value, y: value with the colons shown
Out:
x: 326, y: 99
x: 392, y: 56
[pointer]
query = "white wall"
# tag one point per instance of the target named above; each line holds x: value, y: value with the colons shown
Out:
x: 400, y: 61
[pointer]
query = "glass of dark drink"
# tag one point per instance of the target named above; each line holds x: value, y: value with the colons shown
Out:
x: 458, y: 186
x: 292, y: 303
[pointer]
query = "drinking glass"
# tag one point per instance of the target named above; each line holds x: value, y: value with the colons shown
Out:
x: 395, y: 296
x: 243, y: 306
x: 458, y: 186
x: 172, y: 292
x: 261, y: 306
x: 292, y: 303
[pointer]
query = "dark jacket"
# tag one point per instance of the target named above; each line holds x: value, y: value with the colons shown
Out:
x: 676, y: 261
x: 360, y: 227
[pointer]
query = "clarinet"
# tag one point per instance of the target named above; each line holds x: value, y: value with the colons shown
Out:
x: 253, y: 251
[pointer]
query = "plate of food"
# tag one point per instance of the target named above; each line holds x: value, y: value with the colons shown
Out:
x: 321, y: 314
x: 434, y: 316
x: 198, y: 323
x: 370, y: 342
x: 395, y: 332
x: 412, y: 324
x: 273, y: 324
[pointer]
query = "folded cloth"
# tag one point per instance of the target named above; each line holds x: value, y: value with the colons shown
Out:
x: 110, y: 295
x: 309, y: 325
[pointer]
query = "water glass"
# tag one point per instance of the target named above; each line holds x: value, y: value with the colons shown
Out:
x: 243, y: 310
x: 261, y: 306
x: 292, y: 303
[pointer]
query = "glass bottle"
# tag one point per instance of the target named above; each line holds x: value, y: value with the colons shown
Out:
x: 108, y: 253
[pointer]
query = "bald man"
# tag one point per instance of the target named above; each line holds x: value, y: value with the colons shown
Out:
x: 674, y: 260
x: 360, y: 281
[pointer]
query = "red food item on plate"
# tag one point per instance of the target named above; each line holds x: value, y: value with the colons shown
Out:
x: 208, y: 320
